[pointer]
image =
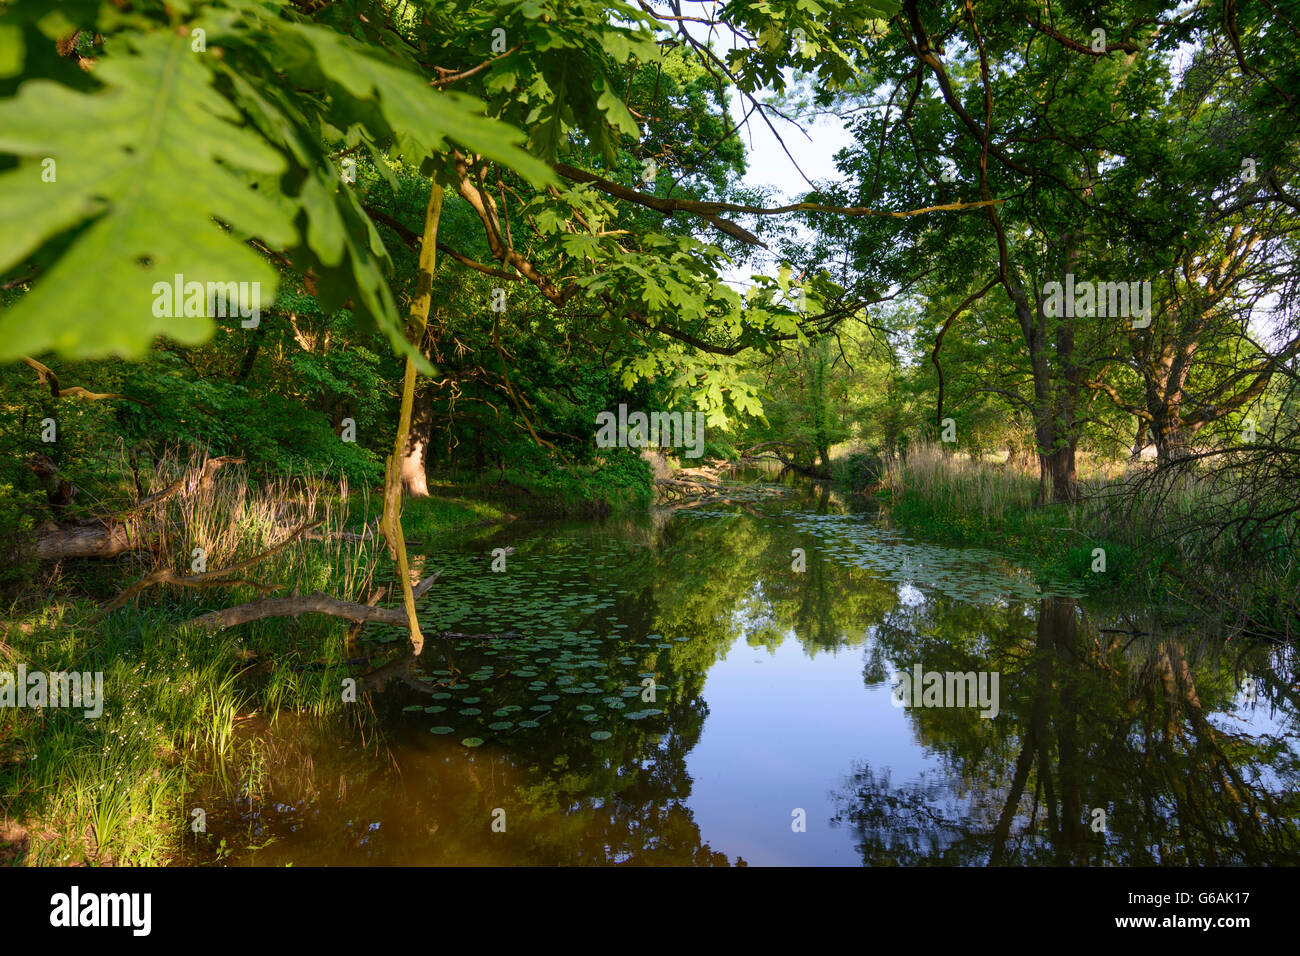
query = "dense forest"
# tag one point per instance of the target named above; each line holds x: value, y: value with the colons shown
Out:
x: 299, y: 297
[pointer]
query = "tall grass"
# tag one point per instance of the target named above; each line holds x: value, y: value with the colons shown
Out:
x: 1149, y: 532
x: 958, y: 484
x: 114, y: 789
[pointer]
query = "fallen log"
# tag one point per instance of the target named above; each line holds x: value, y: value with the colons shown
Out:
x: 91, y: 541
x: 317, y: 602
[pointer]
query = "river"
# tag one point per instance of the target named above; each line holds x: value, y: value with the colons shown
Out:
x: 717, y: 685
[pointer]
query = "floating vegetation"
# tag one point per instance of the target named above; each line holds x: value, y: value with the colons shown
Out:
x: 972, y: 575
x: 565, y: 653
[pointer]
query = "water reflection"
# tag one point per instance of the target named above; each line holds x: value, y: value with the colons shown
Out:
x: 771, y: 695
x: 1111, y: 722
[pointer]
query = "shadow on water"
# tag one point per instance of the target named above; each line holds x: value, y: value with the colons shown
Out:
x: 685, y: 688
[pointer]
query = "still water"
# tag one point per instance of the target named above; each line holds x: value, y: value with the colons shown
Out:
x: 687, y: 688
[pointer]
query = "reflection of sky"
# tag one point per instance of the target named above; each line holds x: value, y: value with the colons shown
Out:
x: 1257, y: 719
x: 784, y: 731
x: 787, y: 725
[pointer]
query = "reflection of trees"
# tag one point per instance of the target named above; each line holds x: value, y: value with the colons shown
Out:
x: 415, y: 801
x: 713, y: 575
x: 1088, y: 721
x: 918, y: 823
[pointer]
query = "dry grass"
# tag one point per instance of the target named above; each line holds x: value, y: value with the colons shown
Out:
x: 218, y: 522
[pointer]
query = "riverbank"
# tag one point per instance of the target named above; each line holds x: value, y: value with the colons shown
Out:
x: 182, y: 703
x: 1115, y: 542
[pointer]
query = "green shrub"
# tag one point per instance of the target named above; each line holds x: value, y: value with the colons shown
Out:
x: 859, y: 470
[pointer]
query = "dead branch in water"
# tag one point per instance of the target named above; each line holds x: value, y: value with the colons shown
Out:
x: 316, y: 603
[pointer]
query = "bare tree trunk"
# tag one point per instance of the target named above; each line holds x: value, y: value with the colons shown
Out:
x: 413, y: 471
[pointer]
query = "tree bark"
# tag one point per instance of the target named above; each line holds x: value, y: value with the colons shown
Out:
x: 90, y: 541
x: 413, y: 471
x: 1065, y: 485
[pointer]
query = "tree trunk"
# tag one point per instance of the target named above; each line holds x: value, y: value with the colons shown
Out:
x: 414, y: 475
x: 1171, y: 437
x: 90, y: 541
x: 1065, y: 485
x: 1055, y: 431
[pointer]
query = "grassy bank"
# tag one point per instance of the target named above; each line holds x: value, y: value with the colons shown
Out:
x: 1151, y: 550
x: 458, y: 502
x: 179, y: 704
x: 987, y: 504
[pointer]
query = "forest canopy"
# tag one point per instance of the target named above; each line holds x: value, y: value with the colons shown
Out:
x: 380, y: 239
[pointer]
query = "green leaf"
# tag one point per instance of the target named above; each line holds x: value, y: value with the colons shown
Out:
x: 142, y: 166
x: 11, y: 50
x: 420, y: 117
